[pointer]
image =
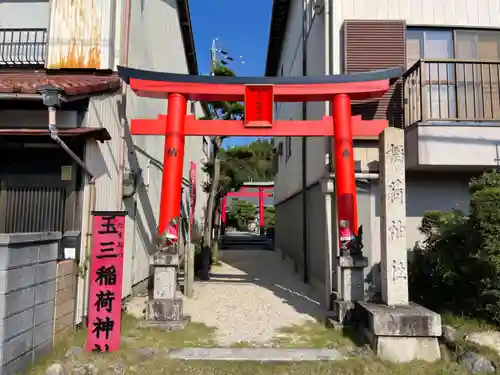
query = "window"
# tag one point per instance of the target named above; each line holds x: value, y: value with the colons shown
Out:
x: 439, y: 77
x: 460, y: 88
x: 478, y: 83
x: 477, y: 44
x: 288, y: 147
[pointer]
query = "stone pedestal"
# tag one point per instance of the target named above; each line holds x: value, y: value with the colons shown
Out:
x: 401, y: 333
x: 165, y: 306
x: 397, y: 330
x: 351, y: 288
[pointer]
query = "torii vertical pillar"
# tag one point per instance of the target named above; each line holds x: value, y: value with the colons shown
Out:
x: 351, y: 264
x: 344, y: 168
x: 173, y: 156
x: 261, y: 211
x: 223, y: 210
x: 164, y: 308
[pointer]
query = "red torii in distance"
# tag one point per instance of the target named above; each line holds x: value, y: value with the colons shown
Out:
x: 243, y: 192
x: 259, y: 95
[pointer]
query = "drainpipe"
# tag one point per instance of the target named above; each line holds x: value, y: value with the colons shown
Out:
x: 88, y: 236
x: 123, y: 120
x: 328, y: 71
x: 330, y: 249
x: 55, y: 136
x: 304, y: 150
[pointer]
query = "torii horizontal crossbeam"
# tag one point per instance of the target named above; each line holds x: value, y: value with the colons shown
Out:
x: 279, y: 128
x: 159, y: 85
x: 248, y: 194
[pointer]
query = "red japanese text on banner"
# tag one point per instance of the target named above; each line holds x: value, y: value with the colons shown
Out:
x: 106, y: 277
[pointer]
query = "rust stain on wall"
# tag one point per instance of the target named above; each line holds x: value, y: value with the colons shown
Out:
x: 75, y: 34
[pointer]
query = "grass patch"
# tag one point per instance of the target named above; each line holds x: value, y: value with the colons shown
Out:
x: 465, y: 324
x: 133, y: 338
x: 314, y: 335
x: 351, y: 367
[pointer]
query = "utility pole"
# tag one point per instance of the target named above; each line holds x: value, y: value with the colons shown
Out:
x: 213, y: 56
x: 208, y: 230
x: 225, y: 58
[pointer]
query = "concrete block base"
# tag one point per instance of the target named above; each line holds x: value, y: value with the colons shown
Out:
x: 401, y: 333
x: 165, y: 314
x: 165, y: 309
x: 406, y: 349
x: 171, y: 325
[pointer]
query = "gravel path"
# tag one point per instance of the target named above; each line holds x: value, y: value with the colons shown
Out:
x: 251, y: 296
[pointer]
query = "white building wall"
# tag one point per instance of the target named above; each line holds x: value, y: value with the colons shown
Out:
x: 470, y: 13
x: 421, y: 196
x: 20, y: 14
x: 288, y: 179
x: 480, y: 13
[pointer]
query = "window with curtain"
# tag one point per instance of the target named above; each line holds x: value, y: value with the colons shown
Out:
x: 478, y: 81
x: 439, y: 77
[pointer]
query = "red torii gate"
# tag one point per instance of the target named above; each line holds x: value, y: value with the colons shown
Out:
x: 259, y: 95
x: 243, y: 192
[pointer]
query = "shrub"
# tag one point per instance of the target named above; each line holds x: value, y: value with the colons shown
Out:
x: 485, y: 219
x: 439, y: 272
x: 457, y: 267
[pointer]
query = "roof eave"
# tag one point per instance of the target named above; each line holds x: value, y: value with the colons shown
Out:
x: 279, y: 19
x: 187, y: 35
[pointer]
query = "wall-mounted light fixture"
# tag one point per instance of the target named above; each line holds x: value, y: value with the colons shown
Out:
x: 130, y: 180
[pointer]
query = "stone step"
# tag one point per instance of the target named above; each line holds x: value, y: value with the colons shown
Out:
x: 256, y: 354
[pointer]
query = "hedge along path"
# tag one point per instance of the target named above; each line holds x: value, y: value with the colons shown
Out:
x: 250, y: 297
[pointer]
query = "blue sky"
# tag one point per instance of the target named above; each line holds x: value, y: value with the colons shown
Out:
x: 242, y: 27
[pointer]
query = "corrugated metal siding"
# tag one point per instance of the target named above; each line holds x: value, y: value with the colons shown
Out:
x: 102, y: 158
x: 33, y: 195
x: 372, y: 45
x: 81, y: 34
x: 33, y: 208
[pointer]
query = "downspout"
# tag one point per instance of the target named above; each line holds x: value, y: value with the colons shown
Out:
x: 329, y: 250
x: 328, y: 71
x: 304, y: 150
x: 123, y: 120
x: 88, y: 236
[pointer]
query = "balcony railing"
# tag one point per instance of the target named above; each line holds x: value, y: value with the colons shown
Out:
x: 22, y: 47
x: 452, y: 90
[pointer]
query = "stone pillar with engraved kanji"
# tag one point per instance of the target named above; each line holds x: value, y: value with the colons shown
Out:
x: 398, y: 330
x: 394, y: 275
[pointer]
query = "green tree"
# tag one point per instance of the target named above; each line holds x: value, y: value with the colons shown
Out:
x: 237, y: 165
x: 241, y: 214
x: 221, y: 111
x: 457, y: 268
x: 269, y: 217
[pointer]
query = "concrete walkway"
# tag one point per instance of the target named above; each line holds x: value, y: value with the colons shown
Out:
x: 251, y: 296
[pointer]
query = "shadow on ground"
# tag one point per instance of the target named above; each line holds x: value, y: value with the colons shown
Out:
x: 266, y: 269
